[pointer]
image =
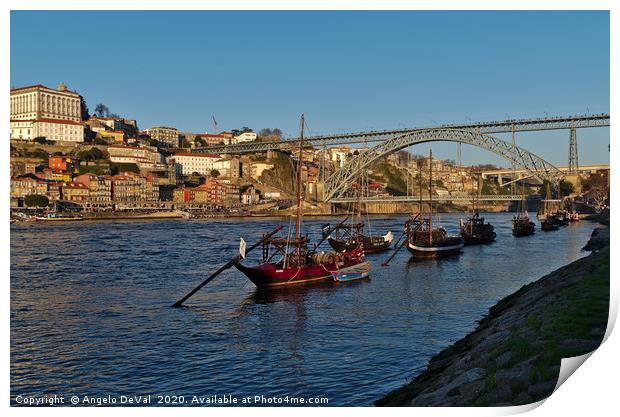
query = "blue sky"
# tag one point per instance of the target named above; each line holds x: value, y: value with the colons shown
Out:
x: 347, y: 71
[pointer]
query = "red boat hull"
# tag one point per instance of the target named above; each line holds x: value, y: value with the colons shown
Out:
x: 268, y: 275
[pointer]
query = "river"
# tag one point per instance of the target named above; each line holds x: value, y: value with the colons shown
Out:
x: 90, y: 310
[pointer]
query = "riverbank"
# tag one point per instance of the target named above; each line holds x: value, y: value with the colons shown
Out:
x: 514, y: 355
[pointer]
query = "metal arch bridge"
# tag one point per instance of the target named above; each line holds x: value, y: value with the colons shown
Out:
x: 337, y: 183
x: 501, y: 126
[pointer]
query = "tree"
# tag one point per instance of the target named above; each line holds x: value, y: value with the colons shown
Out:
x: 83, y: 109
x: 214, y: 173
x: 184, y: 143
x: 124, y: 167
x: 91, y: 154
x: 566, y: 188
x: 36, y: 200
x: 102, y: 110
x: 40, y: 139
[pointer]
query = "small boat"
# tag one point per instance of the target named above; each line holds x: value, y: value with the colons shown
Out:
x: 53, y: 216
x: 297, y: 264
x: 573, y: 216
x: 13, y: 221
x: 352, y: 273
x: 426, y: 242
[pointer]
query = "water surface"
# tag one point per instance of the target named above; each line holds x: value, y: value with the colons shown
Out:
x: 90, y: 310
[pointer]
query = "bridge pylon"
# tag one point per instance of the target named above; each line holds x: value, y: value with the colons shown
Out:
x: 573, y: 157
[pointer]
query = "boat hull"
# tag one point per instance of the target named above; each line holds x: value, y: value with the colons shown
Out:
x: 434, y: 252
x: 478, y: 239
x: 369, y: 246
x: 267, y: 275
x: 353, y: 273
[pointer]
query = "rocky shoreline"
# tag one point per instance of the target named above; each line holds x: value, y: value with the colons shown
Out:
x: 514, y: 356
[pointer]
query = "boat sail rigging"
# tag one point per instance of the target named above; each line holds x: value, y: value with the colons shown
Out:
x: 424, y: 241
x: 475, y: 230
x: 521, y: 223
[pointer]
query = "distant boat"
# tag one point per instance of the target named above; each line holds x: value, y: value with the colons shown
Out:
x: 476, y: 231
x: 347, y: 237
x: 53, y: 216
x: 521, y: 223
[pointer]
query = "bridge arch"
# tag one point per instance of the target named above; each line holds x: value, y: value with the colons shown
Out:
x: 337, y: 183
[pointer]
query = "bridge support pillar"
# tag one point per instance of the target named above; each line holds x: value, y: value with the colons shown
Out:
x: 573, y: 158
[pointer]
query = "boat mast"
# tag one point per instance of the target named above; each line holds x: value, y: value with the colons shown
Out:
x: 299, y: 165
x: 430, y: 198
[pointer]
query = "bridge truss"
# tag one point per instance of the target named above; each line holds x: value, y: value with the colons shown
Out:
x: 501, y: 126
x: 341, y: 180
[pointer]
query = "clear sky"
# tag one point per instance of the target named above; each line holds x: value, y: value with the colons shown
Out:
x: 347, y: 71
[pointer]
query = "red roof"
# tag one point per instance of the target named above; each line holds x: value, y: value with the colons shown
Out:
x: 45, y: 120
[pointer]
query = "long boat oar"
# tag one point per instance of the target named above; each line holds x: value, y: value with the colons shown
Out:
x: 335, y: 228
x: 397, y: 249
x: 229, y: 264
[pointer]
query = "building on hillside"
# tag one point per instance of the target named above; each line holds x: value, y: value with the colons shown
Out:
x: 249, y: 195
x: 339, y: 155
x: 114, y: 124
x: 129, y: 187
x: 99, y: 187
x: 257, y: 168
x: 247, y: 136
x: 188, y: 163
x: 145, y: 157
x: 27, y: 185
x: 214, y: 139
x: 75, y: 192
x: 54, y: 175
x: 115, y: 136
x: 167, y: 137
x: 62, y: 163
x: 40, y: 111
x: 228, y: 167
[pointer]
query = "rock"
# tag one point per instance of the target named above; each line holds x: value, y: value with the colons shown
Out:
x: 522, y: 399
x: 503, y: 359
x: 542, y: 390
x: 469, y: 392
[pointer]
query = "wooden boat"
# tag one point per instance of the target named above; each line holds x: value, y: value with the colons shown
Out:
x: 475, y: 230
x: 301, y: 266
x: 347, y: 237
x: 424, y: 241
x: 521, y: 223
x: 548, y: 225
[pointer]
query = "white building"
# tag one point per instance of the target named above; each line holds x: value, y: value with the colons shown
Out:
x: 244, y: 137
x: 42, y: 111
x: 188, y: 163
